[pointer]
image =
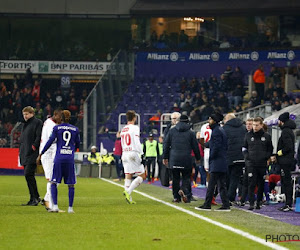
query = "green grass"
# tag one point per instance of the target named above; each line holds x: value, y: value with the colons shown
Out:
x: 103, y: 220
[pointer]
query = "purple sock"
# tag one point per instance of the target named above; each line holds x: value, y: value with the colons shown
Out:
x: 266, y: 191
x: 54, y: 193
x: 71, y: 196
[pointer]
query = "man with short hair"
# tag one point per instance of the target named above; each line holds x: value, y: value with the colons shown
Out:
x: 48, y: 158
x: 179, y: 143
x: 235, y: 131
x: 131, y: 155
x: 29, y: 145
x: 285, y: 157
x: 68, y: 141
x: 257, y: 150
x: 175, y: 116
x: 244, y: 192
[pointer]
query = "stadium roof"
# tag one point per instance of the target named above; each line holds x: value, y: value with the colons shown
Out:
x: 215, y: 7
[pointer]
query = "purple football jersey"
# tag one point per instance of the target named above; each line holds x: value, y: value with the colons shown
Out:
x: 67, y: 141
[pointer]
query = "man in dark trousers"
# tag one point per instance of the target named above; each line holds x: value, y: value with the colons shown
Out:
x: 257, y: 150
x: 285, y: 157
x: 178, y: 145
x: 217, y: 164
x: 29, y: 151
x: 235, y: 131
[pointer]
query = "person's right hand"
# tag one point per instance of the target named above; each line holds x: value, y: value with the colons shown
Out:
x: 165, y: 162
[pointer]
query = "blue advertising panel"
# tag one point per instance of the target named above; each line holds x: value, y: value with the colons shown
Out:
x: 205, y: 63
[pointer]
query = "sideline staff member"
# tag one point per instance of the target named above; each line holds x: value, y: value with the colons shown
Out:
x: 178, y: 145
x: 285, y: 156
x: 29, y: 151
x: 257, y: 150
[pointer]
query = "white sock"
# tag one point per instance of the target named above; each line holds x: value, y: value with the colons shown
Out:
x: 55, y: 207
x: 127, y: 184
x: 49, y: 196
x: 70, y: 209
x: 138, y: 180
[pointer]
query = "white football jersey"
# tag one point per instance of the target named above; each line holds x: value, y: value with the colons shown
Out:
x: 46, y: 133
x: 130, y: 139
x: 205, y: 132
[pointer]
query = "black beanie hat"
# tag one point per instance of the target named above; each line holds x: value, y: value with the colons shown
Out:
x: 184, y: 118
x: 217, y: 117
x: 284, y: 117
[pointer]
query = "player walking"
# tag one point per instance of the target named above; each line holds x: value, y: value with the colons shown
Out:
x: 48, y: 157
x: 68, y: 141
x: 131, y: 155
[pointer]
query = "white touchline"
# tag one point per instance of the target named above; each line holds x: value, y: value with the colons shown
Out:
x: 219, y: 224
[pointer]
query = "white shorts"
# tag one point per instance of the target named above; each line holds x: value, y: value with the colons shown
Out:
x: 132, y: 163
x: 206, y: 159
x: 47, y: 163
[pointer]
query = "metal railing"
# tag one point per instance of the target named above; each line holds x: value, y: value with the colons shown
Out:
x: 105, y: 95
x: 264, y: 111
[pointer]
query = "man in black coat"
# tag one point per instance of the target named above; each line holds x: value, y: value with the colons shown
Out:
x: 29, y: 151
x: 217, y: 164
x: 179, y: 143
x: 285, y: 157
x: 235, y: 131
x: 257, y: 150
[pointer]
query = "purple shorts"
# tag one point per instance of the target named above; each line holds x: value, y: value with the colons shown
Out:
x: 66, y: 170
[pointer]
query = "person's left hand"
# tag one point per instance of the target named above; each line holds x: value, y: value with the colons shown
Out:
x: 38, y: 160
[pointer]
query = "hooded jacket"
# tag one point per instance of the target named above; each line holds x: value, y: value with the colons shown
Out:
x: 235, y: 131
x: 257, y: 149
x: 179, y: 143
x: 286, y: 143
x: 218, y: 149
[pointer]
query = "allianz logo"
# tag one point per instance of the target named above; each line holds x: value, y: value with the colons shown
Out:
x: 245, y: 56
x: 198, y: 56
x: 155, y: 56
x: 276, y: 55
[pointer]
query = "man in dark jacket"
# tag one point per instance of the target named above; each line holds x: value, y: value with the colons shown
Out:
x: 257, y: 150
x: 285, y: 157
x: 217, y: 164
x: 178, y: 145
x: 29, y: 151
x: 235, y: 131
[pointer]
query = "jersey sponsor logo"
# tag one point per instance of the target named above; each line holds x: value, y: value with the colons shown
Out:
x: 125, y: 130
x: 66, y: 128
x: 252, y: 138
x: 66, y: 151
x: 263, y: 138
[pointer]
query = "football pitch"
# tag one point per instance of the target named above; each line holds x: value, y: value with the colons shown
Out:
x: 103, y: 220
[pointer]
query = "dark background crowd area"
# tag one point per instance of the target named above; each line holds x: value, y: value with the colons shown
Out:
x: 44, y: 95
x: 227, y: 92
x: 182, y: 41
